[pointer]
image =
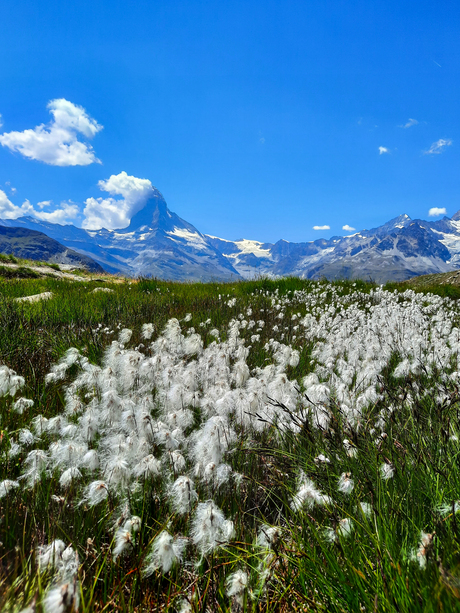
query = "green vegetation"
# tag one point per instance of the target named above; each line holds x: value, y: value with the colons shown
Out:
x: 21, y: 272
x: 350, y: 540
x: 445, y: 290
x: 8, y: 258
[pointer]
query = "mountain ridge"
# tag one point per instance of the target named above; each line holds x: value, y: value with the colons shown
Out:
x: 31, y: 244
x: 157, y: 242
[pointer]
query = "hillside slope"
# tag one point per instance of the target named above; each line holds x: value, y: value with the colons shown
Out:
x: 34, y: 245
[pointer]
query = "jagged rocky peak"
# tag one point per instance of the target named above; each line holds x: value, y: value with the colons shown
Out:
x: 456, y: 217
x: 154, y: 211
x: 394, y: 224
x: 156, y: 217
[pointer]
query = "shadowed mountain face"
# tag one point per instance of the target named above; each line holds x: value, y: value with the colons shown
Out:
x: 32, y: 245
x: 155, y: 217
x: 159, y: 243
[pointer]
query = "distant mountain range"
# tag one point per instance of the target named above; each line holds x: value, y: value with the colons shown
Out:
x: 159, y: 243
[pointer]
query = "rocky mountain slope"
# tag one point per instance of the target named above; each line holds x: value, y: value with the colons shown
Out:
x: 395, y: 251
x: 33, y: 245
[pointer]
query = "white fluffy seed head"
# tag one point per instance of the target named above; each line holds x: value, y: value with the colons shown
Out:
x: 91, y: 460
x: 387, y: 471
x: 345, y: 527
x: 165, y: 552
x: 125, y: 336
x: 96, y: 492
x: 69, y: 475
x: 22, y: 404
x: 26, y: 437
x: 268, y: 536
x: 147, y: 331
x: 182, y: 495
x: 123, y: 542
x: 210, y: 529
x: 366, y: 508
x: 133, y: 524
x: 307, y: 495
x: 148, y: 467
x: 50, y: 555
x: 7, y: 486
x: 10, y: 382
x: 237, y: 583
x: 177, y: 460
x: 346, y: 483
x: 62, y: 598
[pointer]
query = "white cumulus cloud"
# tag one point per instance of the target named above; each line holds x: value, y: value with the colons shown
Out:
x: 67, y: 212
x: 436, y: 211
x: 383, y: 150
x: 348, y: 228
x: 321, y: 227
x: 8, y: 210
x: 439, y: 146
x: 409, y: 123
x: 57, y: 142
x: 112, y: 213
x: 62, y: 215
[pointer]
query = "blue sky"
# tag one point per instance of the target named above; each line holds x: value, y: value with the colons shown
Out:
x: 255, y: 119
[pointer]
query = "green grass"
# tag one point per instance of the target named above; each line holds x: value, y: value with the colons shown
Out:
x: 370, y: 572
x: 8, y: 258
x: 21, y: 272
x: 445, y: 290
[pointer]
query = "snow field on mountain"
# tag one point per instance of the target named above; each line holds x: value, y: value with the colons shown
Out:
x: 301, y: 451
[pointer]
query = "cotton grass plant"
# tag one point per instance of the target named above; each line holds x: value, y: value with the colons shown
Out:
x: 264, y: 446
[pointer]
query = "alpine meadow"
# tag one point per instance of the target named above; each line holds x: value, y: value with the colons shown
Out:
x: 268, y: 445
x: 229, y: 306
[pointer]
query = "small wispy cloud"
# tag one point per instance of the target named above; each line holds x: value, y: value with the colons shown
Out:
x: 44, y: 203
x: 383, y: 150
x: 1, y: 120
x: 261, y: 140
x: 12, y: 189
x: 348, y: 228
x: 436, y: 211
x: 439, y: 146
x: 410, y: 123
x: 321, y: 227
